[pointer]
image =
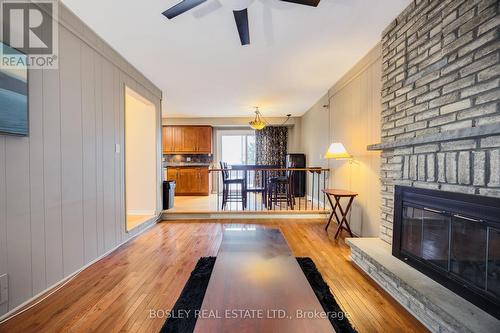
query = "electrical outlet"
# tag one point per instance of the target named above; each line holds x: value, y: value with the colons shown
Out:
x: 4, y: 288
x: 117, y: 148
x: 188, y: 159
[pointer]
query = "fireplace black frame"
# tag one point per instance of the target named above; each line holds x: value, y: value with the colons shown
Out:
x: 482, y: 208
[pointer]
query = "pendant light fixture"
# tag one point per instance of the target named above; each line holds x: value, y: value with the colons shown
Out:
x: 260, y: 122
x: 257, y: 124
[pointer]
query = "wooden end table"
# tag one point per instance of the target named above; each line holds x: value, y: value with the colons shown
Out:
x: 337, y: 194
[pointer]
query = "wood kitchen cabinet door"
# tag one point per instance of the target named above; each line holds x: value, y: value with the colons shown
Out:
x: 167, y: 139
x: 177, y: 137
x: 172, y: 174
x: 189, y: 140
x: 204, y: 138
x: 171, y: 139
x: 187, y: 180
x: 203, y: 185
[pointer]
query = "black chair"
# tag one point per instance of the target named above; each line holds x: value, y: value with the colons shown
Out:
x: 228, y: 193
x: 280, y: 189
x: 259, y: 184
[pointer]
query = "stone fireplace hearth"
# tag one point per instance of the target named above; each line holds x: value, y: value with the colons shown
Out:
x: 440, y: 131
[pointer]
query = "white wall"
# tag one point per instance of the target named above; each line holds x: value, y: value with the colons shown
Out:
x: 140, y: 155
x: 315, y: 133
x: 62, y: 188
x: 353, y: 118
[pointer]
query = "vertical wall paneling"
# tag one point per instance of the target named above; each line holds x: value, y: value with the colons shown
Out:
x: 89, y: 154
x: 71, y: 150
x: 18, y: 227
x: 62, y: 188
x: 373, y: 206
x: 354, y: 120
x: 3, y: 218
x: 36, y: 164
x: 108, y: 137
x: 52, y: 176
x: 99, y: 152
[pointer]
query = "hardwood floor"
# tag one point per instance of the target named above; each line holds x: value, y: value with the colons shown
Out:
x: 117, y: 293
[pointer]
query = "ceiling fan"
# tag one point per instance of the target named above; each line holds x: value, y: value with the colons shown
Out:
x: 240, y: 16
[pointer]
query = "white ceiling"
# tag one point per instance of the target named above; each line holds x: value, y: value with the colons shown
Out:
x: 297, y: 52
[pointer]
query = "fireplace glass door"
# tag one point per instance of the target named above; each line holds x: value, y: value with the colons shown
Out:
x: 493, y: 279
x: 468, y: 250
x: 453, y: 238
x: 426, y: 235
x: 462, y: 247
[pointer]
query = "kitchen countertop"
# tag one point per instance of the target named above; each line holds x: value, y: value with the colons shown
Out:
x: 186, y: 164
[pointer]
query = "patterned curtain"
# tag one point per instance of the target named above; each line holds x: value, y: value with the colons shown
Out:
x: 271, y: 146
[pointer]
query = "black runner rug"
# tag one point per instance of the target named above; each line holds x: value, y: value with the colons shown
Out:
x: 193, y: 292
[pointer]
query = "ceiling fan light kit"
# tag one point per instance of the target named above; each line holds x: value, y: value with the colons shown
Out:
x: 240, y: 14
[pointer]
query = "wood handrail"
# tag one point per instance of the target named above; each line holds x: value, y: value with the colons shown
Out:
x: 272, y: 169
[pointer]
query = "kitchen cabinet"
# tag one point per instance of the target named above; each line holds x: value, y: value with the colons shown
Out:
x: 204, y: 140
x: 172, y: 137
x: 167, y: 133
x: 187, y: 139
x: 189, y: 180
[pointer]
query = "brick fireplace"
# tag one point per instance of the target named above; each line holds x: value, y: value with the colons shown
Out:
x: 440, y: 131
x: 440, y: 95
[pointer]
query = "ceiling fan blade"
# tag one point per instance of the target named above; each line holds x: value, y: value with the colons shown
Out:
x: 313, y: 3
x: 241, y: 18
x: 182, y: 7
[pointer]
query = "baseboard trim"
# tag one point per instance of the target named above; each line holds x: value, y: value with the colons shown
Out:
x: 41, y: 296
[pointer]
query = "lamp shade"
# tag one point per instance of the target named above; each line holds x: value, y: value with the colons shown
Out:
x: 257, y: 124
x: 337, y: 151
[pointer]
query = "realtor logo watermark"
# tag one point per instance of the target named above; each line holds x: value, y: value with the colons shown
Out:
x: 29, y: 31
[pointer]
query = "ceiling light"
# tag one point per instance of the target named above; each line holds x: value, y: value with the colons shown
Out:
x: 257, y: 124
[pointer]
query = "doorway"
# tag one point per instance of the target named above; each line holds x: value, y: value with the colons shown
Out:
x: 140, y: 159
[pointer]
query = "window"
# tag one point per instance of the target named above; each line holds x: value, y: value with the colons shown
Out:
x: 237, y: 149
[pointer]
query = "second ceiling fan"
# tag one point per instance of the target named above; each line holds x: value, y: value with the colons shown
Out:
x: 240, y: 16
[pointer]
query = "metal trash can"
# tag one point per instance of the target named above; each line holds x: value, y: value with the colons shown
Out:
x: 168, y: 194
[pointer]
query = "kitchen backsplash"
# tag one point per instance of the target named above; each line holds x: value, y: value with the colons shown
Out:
x: 171, y: 159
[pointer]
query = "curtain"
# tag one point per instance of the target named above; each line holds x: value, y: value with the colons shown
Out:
x: 271, y: 146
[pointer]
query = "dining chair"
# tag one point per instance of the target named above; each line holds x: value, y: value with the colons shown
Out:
x: 229, y: 194
x: 281, y: 189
